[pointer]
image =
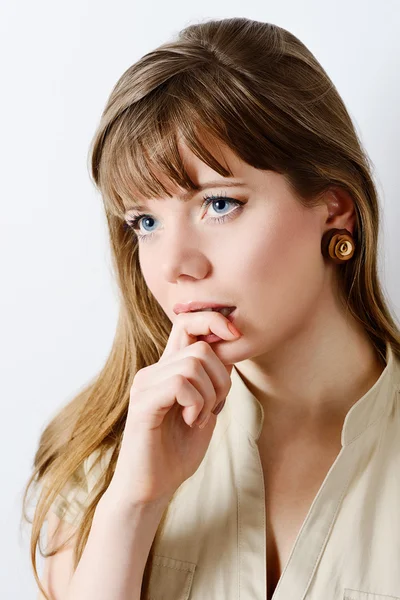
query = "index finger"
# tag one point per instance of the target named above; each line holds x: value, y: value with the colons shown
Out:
x: 187, y: 326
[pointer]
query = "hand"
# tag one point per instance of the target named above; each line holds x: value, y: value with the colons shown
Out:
x: 160, y: 448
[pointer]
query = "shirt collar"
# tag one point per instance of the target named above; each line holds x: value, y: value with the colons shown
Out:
x: 244, y: 407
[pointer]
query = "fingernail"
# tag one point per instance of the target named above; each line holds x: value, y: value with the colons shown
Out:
x: 233, y: 329
x: 219, y: 407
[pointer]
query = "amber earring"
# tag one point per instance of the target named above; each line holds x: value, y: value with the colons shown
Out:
x: 338, y: 245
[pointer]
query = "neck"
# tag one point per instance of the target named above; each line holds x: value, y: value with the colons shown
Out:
x: 317, y: 374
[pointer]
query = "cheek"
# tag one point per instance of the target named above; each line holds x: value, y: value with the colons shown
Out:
x: 283, y: 266
x: 150, y: 273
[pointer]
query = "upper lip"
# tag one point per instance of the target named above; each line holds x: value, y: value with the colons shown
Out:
x: 190, y: 306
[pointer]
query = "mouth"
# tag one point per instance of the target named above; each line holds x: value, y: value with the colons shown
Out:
x: 225, y: 310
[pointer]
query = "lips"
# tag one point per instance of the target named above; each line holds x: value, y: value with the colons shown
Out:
x: 226, y: 310
x: 200, y: 306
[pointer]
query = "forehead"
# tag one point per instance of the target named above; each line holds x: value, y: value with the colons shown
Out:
x: 200, y: 173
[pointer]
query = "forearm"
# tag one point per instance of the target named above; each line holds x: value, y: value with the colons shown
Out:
x: 113, y: 561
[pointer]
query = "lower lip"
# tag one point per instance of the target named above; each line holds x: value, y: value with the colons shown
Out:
x: 215, y: 338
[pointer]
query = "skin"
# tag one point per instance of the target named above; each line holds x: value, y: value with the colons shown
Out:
x: 304, y: 359
x: 300, y: 355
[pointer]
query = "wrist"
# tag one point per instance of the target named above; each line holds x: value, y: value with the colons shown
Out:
x: 115, y: 502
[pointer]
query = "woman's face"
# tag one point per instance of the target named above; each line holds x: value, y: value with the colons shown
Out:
x: 265, y: 258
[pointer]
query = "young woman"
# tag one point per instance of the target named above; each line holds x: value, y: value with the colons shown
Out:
x: 237, y: 193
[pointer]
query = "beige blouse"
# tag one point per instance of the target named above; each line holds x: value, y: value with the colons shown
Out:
x: 213, y: 546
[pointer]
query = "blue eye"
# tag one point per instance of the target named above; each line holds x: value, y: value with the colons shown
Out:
x: 134, y: 223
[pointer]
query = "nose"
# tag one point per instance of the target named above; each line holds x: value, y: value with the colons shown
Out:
x: 182, y: 256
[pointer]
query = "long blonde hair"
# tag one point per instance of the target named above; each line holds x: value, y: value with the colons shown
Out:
x: 258, y: 89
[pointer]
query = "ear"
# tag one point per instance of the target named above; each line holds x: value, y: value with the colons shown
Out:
x: 341, y: 209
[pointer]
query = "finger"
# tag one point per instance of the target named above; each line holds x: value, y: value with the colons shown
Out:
x: 187, y: 326
x: 152, y: 408
x: 217, y: 372
x: 205, y: 373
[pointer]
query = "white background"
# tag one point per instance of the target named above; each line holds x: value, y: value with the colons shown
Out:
x: 59, y: 62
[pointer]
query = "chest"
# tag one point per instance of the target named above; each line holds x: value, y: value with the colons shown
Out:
x: 293, y: 474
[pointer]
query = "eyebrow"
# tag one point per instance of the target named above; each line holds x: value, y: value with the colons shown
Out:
x: 190, y: 194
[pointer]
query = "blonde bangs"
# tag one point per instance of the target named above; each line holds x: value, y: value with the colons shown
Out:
x: 137, y: 161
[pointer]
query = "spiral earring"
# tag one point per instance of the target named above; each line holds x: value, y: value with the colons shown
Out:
x: 338, y: 245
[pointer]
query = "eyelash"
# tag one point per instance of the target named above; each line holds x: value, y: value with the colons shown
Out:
x: 133, y: 224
